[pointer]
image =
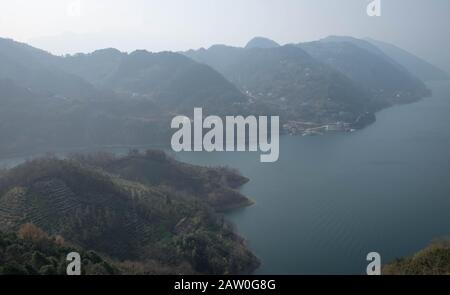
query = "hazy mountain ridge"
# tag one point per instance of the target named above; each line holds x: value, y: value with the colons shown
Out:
x: 288, y: 81
x: 95, y: 67
x: 33, y: 122
x: 169, y: 79
x: 419, y: 67
x: 175, y: 82
x: 405, y: 60
x: 35, y: 69
x: 149, y: 93
x: 109, y: 97
x: 261, y: 42
x: 386, y: 82
x: 335, y: 79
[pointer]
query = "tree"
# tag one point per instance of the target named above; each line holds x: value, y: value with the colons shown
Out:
x: 32, y: 233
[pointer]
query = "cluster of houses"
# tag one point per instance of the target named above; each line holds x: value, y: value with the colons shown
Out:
x: 310, y: 128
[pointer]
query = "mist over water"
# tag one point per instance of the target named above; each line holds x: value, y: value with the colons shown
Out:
x: 332, y: 199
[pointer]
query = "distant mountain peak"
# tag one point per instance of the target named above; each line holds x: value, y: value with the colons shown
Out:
x: 363, y: 44
x: 107, y: 51
x: 338, y: 38
x: 261, y: 42
x: 417, y: 66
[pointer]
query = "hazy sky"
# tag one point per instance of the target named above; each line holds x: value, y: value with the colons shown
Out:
x: 68, y: 26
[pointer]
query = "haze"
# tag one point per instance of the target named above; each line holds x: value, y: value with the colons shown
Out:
x: 60, y: 27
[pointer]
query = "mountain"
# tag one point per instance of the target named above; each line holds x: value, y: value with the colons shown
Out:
x: 123, y: 219
x: 171, y: 80
x: 288, y: 81
x: 175, y: 82
x: 34, y: 122
x: 419, y: 67
x: 35, y: 69
x: 11, y: 93
x: 261, y: 42
x: 363, y: 44
x: 94, y: 67
x: 388, y: 82
x: 397, y: 56
x: 315, y: 84
x: 110, y: 97
x: 103, y: 98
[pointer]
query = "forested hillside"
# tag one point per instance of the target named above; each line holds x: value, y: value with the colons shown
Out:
x: 155, y: 220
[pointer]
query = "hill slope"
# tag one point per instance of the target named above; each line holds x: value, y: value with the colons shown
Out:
x: 366, y: 65
x: 433, y: 260
x: 123, y: 219
x: 174, y: 82
x: 214, y: 186
x: 103, y: 98
x: 33, y: 252
x: 419, y: 67
x: 289, y: 82
x: 36, y: 69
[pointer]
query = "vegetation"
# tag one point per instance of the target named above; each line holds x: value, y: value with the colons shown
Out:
x: 433, y: 260
x: 33, y: 252
x: 154, y: 226
x: 383, y: 79
x: 289, y: 82
x: 216, y: 186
